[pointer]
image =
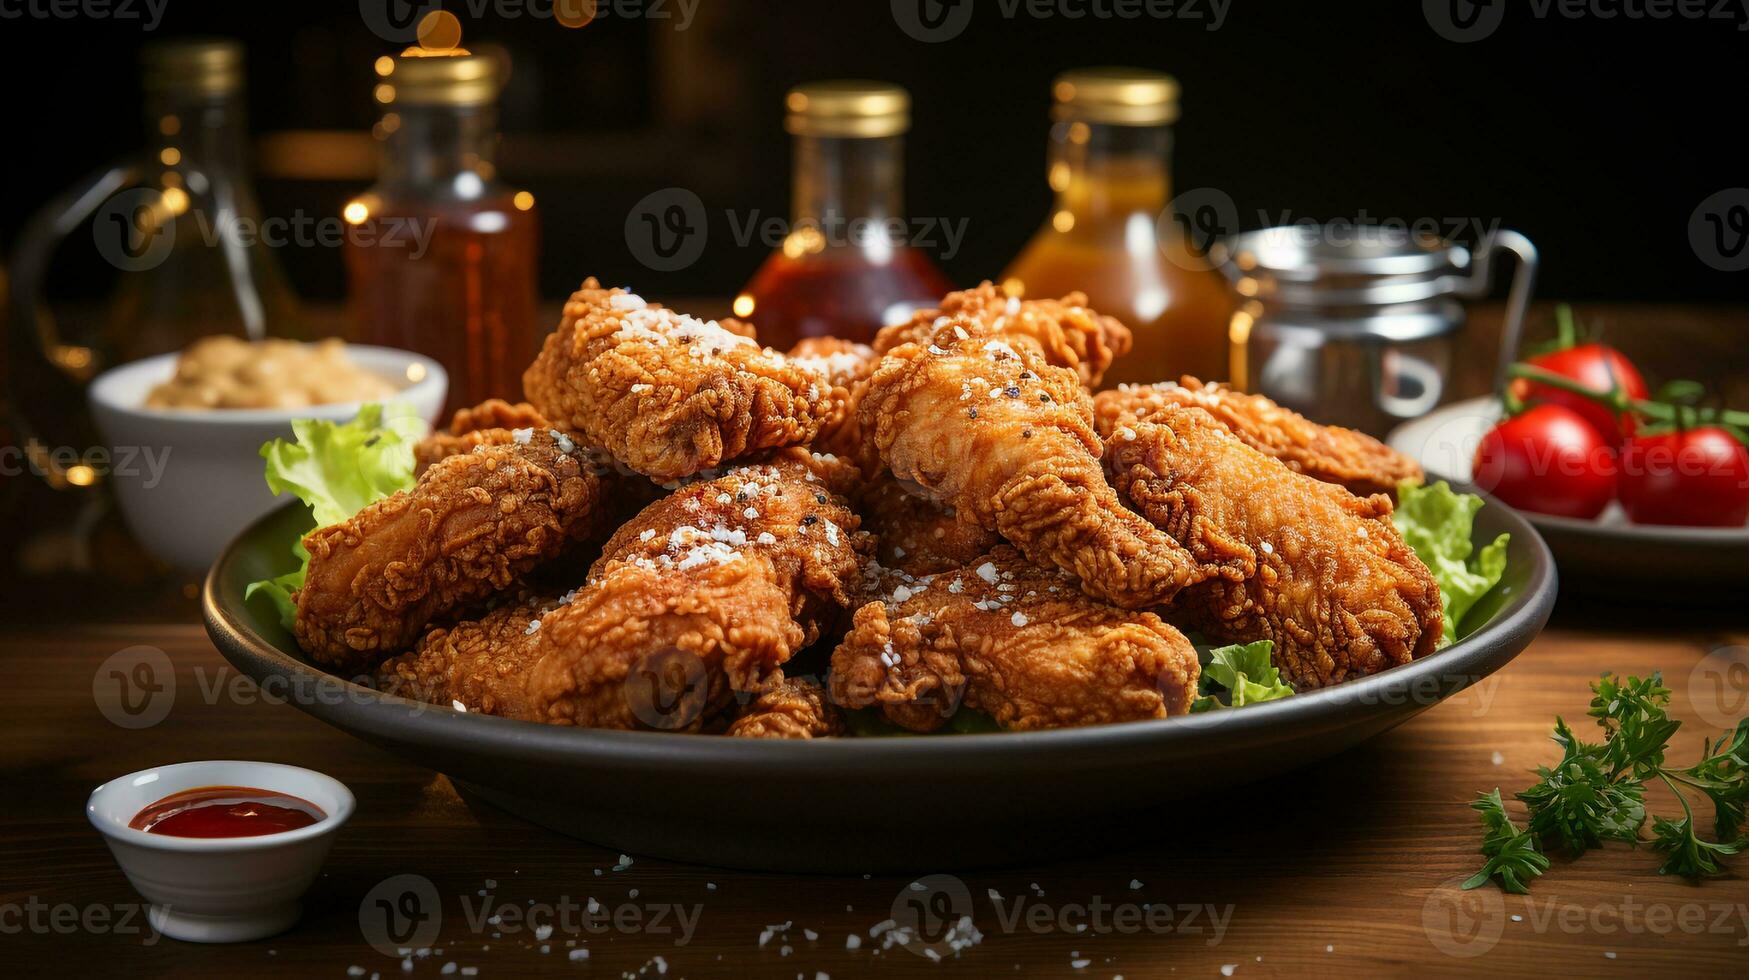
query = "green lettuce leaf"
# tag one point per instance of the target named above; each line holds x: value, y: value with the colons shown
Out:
x: 336, y: 468
x: 1435, y: 521
x: 1244, y: 670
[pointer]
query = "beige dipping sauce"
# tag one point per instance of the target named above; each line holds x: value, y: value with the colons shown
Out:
x: 228, y: 372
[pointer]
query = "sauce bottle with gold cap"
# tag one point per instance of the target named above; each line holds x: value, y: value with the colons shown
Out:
x: 846, y: 268
x: 1109, y: 234
x: 441, y: 255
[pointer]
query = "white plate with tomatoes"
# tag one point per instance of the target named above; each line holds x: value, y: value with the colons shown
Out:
x: 1610, y: 552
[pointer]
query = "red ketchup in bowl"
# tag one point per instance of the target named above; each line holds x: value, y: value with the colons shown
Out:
x: 226, y: 811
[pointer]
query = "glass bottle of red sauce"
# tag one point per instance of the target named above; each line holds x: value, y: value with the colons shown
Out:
x: 1109, y: 236
x: 442, y: 256
x: 847, y: 267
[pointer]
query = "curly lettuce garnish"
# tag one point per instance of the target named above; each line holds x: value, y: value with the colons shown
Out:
x: 1244, y: 672
x: 336, y: 468
x: 1436, y: 521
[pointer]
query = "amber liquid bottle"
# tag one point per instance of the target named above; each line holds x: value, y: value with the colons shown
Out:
x: 1109, y: 234
x: 441, y: 256
x: 847, y: 267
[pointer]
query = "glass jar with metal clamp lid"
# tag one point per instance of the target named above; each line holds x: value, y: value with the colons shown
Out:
x: 1357, y: 326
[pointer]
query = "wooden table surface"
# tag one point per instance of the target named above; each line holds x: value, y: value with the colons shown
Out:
x: 1349, y: 867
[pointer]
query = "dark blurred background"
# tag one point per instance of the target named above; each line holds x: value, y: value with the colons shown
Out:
x: 1597, y: 136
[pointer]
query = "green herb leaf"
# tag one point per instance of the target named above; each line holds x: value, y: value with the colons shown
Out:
x: 1513, y: 855
x: 1690, y: 856
x: 1245, y: 672
x: 1436, y: 522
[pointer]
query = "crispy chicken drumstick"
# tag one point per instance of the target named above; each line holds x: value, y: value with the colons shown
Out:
x: 668, y: 394
x: 471, y: 527
x: 1329, y: 579
x: 1019, y: 643
x: 705, y: 593
x: 991, y: 430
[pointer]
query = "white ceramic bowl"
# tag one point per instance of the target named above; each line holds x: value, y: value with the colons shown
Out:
x: 228, y: 889
x: 189, y: 480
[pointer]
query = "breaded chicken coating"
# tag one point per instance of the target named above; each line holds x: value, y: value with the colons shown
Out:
x: 1064, y: 331
x: 915, y: 533
x: 1323, y: 452
x: 668, y: 394
x: 991, y: 430
x: 847, y: 365
x: 1329, y: 579
x: 789, y: 708
x: 1020, y: 643
x: 472, y: 526
x: 489, y: 423
x: 705, y: 593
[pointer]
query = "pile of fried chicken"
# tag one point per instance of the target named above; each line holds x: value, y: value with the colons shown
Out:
x: 677, y: 519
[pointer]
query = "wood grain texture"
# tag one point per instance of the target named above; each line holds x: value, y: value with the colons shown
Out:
x: 1347, y: 868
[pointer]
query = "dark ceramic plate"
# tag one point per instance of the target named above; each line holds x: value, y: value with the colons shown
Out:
x: 866, y: 804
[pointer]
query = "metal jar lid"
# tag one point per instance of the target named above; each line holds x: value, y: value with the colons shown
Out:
x: 1349, y: 266
x: 847, y: 108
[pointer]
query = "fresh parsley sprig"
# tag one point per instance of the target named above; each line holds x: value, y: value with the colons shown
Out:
x: 1596, y: 792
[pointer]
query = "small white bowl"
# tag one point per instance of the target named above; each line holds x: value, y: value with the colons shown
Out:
x: 189, y: 479
x: 227, y: 889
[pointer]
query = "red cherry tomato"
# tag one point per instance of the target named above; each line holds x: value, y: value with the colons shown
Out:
x: 1595, y: 366
x: 1698, y: 478
x: 1548, y: 459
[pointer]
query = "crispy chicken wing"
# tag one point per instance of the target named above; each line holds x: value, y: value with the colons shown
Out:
x: 1324, y: 452
x: 1017, y: 642
x: 472, y: 526
x: 706, y: 592
x: 1064, y: 331
x: 1330, y: 581
x: 1007, y: 440
x: 668, y: 394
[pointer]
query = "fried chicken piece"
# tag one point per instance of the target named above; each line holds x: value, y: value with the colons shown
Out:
x: 915, y: 533
x: 705, y: 593
x: 847, y: 365
x: 789, y: 708
x: 1015, y: 641
x: 472, y: 526
x: 486, y: 424
x: 1330, y: 581
x: 667, y: 394
x: 991, y: 430
x: 1065, y: 331
x: 1323, y: 452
